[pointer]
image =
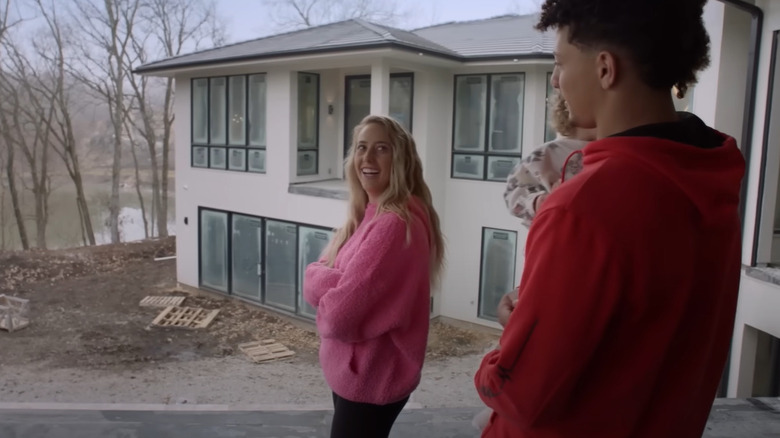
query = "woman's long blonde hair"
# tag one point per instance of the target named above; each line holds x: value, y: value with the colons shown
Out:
x: 406, y: 180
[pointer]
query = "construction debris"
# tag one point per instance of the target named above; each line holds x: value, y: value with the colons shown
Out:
x: 14, y: 313
x: 153, y: 301
x: 265, y: 350
x: 185, y: 317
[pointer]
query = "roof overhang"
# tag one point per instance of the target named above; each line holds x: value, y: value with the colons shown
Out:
x: 332, y: 57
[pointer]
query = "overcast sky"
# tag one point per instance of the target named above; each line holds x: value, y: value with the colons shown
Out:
x: 246, y: 19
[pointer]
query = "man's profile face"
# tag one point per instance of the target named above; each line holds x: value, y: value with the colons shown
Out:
x: 576, y: 76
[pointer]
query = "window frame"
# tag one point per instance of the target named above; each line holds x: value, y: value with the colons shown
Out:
x: 485, y: 152
x: 228, y: 147
x: 347, y: 94
x: 548, y: 93
x: 480, y: 310
x: 316, y: 148
x: 409, y: 75
x: 263, y: 302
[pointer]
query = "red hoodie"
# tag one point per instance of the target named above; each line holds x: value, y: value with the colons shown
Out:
x: 627, y: 300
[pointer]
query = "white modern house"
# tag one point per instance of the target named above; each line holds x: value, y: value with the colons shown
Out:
x: 263, y: 126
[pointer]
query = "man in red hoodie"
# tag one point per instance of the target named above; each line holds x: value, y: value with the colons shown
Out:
x: 626, y: 305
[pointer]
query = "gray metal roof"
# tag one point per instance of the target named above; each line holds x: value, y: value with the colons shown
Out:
x: 498, y: 37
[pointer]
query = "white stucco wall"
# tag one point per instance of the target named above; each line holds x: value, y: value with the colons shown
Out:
x: 759, y: 301
x: 263, y: 195
x: 759, y: 306
x: 472, y: 205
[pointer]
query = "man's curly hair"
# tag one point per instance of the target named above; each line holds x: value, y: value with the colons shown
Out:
x: 665, y: 39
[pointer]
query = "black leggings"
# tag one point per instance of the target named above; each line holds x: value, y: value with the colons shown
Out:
x: 363, y: 420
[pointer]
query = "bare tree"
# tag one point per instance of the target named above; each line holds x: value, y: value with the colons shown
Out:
x: 10, y: 174
x: 297, y: 14
x: 57, y: 88
x: 108, y: 28
x: 28, y: 115
x: 133, y: 146
x: 524, y: 6
x: 4, y: 216
x: 6, y: 139
x: 169, y: 28
x: 7, y: 20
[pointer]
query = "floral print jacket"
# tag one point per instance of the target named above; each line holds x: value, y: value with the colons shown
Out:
x: 539, y: 173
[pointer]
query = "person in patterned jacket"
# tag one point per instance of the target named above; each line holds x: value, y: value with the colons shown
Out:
x: 546, y: 167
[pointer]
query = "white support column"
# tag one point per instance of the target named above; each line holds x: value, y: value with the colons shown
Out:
x: 282, y: 134
x: 743, y: 361
x: 380, y: 88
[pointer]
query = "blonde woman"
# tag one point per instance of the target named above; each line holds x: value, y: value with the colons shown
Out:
x: 372, y: 287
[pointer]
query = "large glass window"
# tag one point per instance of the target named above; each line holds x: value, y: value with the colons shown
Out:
x: 497, y: 272
x: 200, y: 112
x: 311, y: 244
x: 281, y: 274
x: 401, y: 98
x: 549, y: 131
x: 470, y: 111
x: 229, y: 111
x: 217, y: 110
x: 358, y: 106
x: 261, y: 260
x: 214, y: 250
x: 237, y: 114
x: 308, y: 122
x: 358, y: 102
x: 247, y: 262
x: 257, y: 110
x: 488, y: 128
x: 506, y: 113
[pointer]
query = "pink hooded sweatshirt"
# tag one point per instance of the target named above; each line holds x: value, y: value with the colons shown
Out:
x: 373, y: 307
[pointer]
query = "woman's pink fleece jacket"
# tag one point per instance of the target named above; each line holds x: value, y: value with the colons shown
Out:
x: 373, y: 307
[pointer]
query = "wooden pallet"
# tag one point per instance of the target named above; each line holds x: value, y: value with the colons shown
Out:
x: 12, y: 323
x: 265, y: 350
x: 14, y: 313
x: 152, y: 301
x: 185, y: 317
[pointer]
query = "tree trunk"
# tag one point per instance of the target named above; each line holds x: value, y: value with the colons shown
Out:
x: 71, y: 157
x: 138, y: 191
x: 9, y: 167
x: 81, y: 200
x: 162, y: 221
x: 40, y: 220
x: 116, y: 173
x: 3, y: 217
x: 168, y: 118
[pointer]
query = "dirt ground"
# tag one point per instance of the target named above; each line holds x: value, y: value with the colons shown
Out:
x: 91, y: 341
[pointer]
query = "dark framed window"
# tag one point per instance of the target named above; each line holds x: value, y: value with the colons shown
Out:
x: 357, y: 102
x: 402, y: 98
x: 496, y: 270
x: 312, y: 242
x: 549, y: 131
x: 487, y: 125
x: 229, y: 123
x: 258, y: 259
x: 308, y: 123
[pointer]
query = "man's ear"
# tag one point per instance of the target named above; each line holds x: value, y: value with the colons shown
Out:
x: 607, y: 69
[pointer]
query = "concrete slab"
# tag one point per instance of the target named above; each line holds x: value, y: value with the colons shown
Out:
x: 752, y: 418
